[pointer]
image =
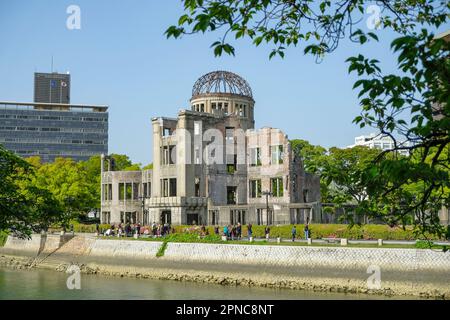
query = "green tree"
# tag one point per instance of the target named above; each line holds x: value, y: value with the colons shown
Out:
x: 311, y: 155
x: 148, y: 167
x: 92, y: 168
x: 413, y: 106
x: 342, y: 173
x: 319, y: 25
x: 133, y: 167
x: 24, y: 207
x: 69, y: 184
x: 122, y: 162
x: 413, y: 103
x: 409, y: 188
x: 313, y: 158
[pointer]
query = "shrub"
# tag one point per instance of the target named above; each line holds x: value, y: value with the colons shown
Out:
x: 329, y: 210
x: 422, y: 244
x: 3, y: 237
x: 162, y: 249
x: 187, y: 237
x: 184, y: 233
x: 88, y: 228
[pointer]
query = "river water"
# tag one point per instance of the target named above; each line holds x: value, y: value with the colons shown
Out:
x: 49, y: 285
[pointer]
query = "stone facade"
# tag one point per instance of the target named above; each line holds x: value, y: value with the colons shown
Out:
x: 211, y: 166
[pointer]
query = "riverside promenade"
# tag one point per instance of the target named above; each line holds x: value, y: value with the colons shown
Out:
x: 411, y: 272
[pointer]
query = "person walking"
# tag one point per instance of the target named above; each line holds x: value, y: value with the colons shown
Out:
x: 203, y: 230
x: 154, y: 229
x: 267, y: 232
x: 225, y: 231
x: 306, y: 231
x: 294, y: 233
x: 239, y: 231
x: 249, y: 231
x: 137, y: 230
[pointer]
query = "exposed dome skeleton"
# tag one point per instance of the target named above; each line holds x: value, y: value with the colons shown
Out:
x: 221, y: 82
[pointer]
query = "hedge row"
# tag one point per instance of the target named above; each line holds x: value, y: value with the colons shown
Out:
x: 318, y: 231
x: 82, y: 228
x: 89, y: 228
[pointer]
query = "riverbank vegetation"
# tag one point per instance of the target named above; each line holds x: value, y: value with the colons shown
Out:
x: 87, y: 228
x: 24, y: 206
x: 35, y: 196
x: 3, y: 237
x: 76, y: 185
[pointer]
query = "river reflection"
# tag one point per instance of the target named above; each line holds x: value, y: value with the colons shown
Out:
x: 46, y: 284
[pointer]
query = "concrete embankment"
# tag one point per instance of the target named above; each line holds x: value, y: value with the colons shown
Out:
x: 418, y: 272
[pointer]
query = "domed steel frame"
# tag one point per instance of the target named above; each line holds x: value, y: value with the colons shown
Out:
x: 221, y: 82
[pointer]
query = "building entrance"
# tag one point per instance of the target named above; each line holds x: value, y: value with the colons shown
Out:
x: 166, y: 217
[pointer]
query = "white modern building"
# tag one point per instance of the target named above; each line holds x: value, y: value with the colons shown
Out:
x: 379, y: 141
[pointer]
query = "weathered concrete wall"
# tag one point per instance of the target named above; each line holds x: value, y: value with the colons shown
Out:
x: 37, y: 244
x: 339, y: 257
x: 401, y: 259
x: 124, y: 249
x: 23, y: 246
x: 114, y: 206
x: 403, y: 271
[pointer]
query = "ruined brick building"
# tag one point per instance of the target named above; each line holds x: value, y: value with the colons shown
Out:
x: 211, y: 166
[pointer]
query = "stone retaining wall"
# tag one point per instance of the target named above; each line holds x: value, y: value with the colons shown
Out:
x: 420, y: 272
x: 22, y: 246
x: 288, y: 256
x: 125, y: 249
x: 342, y: 258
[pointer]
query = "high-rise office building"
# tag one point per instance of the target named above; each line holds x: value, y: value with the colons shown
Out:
x: 51, y: 87
x: 51, y: 130
x: 50, y: 126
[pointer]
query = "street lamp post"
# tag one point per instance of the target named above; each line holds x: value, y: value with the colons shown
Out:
x: 267, y: 194
x: 143, y: 206
x: 111, y: 167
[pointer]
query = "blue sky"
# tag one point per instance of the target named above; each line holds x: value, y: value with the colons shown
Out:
x: 120, y: 57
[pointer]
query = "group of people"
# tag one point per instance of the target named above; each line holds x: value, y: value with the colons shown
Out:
x: 234, y: 231
x: 305, y: 230
x: 132, y: 229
